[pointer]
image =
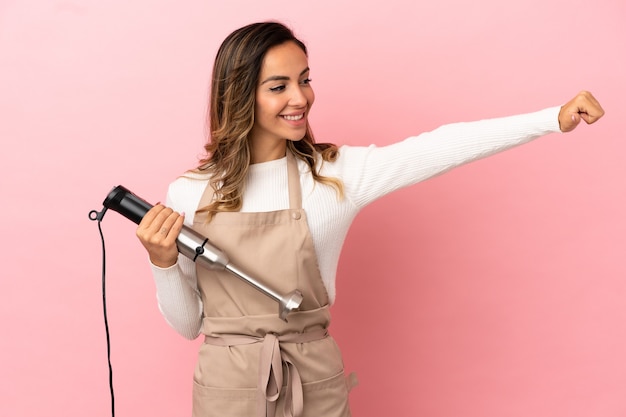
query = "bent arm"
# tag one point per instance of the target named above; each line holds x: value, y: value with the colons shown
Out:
x: 177, y: 291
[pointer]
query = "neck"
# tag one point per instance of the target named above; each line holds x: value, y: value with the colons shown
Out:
x: 259, y: 154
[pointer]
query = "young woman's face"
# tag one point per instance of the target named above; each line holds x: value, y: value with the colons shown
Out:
x: 283, y: 100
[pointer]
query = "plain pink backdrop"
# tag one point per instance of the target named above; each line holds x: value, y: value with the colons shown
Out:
x: 494, y: 290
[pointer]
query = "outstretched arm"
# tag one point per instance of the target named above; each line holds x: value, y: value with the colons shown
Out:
x: 377, y: 171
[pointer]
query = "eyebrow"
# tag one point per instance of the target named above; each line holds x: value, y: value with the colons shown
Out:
x: 283, y: 77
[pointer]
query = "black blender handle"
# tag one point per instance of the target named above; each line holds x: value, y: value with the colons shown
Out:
x: 126, y: 203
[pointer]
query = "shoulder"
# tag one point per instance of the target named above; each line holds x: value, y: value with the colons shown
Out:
x: 188, y: 180
x: 348, y: 159
x: 185, y: 190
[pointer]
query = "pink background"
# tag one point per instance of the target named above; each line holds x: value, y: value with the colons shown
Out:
x: 495, y: 290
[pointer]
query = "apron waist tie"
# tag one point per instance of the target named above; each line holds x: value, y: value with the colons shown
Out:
x: 270, y: 379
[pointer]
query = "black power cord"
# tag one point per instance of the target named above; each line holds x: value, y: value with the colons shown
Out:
x: 95, y: 215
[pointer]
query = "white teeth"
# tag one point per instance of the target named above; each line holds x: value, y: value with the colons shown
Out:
x: 294, y: 118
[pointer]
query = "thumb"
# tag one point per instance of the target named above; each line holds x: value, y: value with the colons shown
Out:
x: 576, y: 118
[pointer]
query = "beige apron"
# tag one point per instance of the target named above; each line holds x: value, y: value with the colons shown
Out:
x: 252, y: 363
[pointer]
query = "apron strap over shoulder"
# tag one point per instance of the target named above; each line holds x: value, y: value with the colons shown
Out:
x: 293, y: 177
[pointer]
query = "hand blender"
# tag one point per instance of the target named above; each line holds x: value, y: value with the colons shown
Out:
x: 195, y: 246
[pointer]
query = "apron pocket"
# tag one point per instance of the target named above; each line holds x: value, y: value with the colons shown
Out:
x: 221, y: 402
x: 328, y: 397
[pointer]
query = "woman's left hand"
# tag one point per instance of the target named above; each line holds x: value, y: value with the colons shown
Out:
x: 582, y: 107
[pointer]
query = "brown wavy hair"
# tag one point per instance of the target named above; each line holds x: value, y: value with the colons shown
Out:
x: 231, y: 116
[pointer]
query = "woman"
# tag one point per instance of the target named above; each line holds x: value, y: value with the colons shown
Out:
x: 280, y: 206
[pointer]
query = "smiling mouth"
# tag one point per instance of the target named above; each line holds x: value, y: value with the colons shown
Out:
x: 294, y: 118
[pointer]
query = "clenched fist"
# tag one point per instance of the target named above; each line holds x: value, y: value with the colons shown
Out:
x: 158, y: 232
x: 582, y: 107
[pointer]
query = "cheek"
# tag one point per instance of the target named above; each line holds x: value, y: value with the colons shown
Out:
x: 267, y: 108
x: 260, y: 110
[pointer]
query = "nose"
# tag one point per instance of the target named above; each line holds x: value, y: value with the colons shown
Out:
x: 297, y: 98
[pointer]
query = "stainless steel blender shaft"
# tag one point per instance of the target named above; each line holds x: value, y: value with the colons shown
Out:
x: 197, y: 247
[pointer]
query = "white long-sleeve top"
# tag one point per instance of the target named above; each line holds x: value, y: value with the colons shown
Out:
x: 367, y: 173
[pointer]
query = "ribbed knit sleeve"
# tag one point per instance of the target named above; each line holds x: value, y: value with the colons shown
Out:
x: 372, y: 172
x: 178, y: 297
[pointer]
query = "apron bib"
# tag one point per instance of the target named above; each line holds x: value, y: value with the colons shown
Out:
x: 253, y: 363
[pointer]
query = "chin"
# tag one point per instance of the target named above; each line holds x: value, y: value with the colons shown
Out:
x: 295, y: 137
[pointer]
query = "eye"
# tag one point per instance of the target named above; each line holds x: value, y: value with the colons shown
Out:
x: 277, y: 88
x: 306, y: 81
